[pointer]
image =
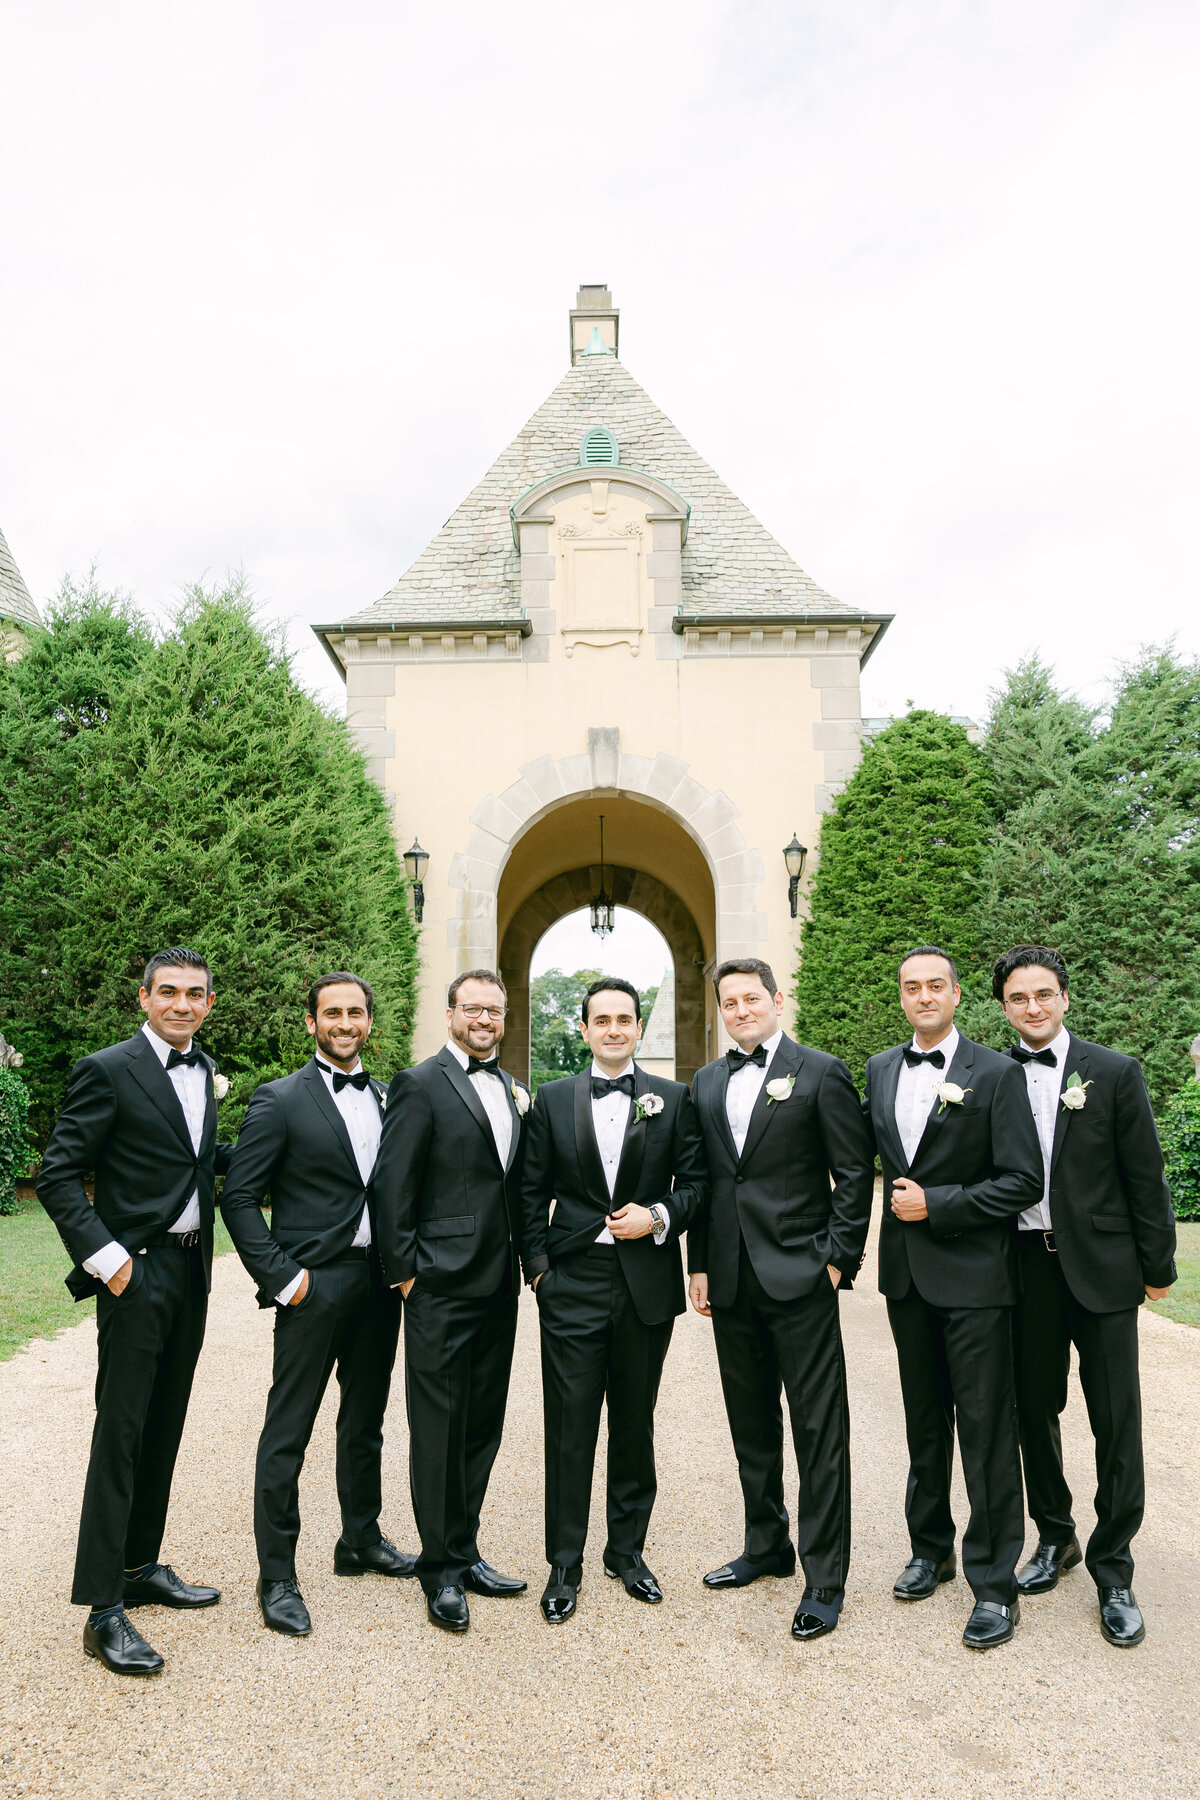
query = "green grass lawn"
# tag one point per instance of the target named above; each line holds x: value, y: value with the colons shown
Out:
x: 33, y: 1266
x: 1184, y: 1301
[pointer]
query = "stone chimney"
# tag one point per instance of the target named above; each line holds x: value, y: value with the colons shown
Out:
x: 594, y: 323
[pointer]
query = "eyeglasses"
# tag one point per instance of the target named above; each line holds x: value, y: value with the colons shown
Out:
x: 1019, y: 1002
x: 482, y: 1012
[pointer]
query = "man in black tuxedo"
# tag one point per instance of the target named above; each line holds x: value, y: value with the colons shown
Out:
x: 960, y: 1159
x: 448, y: 1209
x: 310, y: 1142
x: 1099, y: 1239
x: 792, y: 1177
x: 621, y: 1159
x: 141, y: 1116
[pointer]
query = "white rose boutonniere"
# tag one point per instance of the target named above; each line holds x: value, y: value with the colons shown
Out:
x: 647, y: 1106
x: 220, y: 1085
x: 520, y: 1099
x: 780, y: 1089
x: 950, y: 1094
x: 1074, y: 1095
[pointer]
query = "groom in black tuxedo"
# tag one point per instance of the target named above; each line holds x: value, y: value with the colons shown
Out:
x: 141, y: 1116
x: 1099, y: 1239
x: 448, y: 1209
x: 792, y: 1176
x: 309, y: 1142
x: 960, y: 1160
x: 620, y: 1158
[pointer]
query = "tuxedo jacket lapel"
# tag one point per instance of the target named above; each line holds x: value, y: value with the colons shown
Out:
x: 633, y: 1147
x: 209, y: 1131
x: 959, y: 1072
x: 586, y: 1147
x: 717, y: 1089
x: 158, y: 1087
x: 786, y: 1061
x: 1077, y: 1063
x: 323, y: 1100
x: 514, y: 1136
x: 884, y: 1109
x: 464, y: 1086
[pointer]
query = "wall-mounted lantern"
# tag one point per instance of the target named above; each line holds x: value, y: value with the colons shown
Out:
x: 416, y: 862
x: 794, y: 858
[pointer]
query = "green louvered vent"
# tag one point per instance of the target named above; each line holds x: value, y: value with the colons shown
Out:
x: 599, y: 449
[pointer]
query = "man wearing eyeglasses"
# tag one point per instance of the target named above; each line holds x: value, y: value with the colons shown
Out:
x: 448, y: 1202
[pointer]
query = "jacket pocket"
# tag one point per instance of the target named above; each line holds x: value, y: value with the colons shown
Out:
x: 1111, y: 1222
x: 436, y: 1228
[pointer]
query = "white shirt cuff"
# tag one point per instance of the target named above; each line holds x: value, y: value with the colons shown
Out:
x: 285, y: 1294
x: 107, y: 1261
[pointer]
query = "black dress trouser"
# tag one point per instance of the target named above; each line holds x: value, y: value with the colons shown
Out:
x: 457, y: 1361
x: 1049, y: 1320
x: 596, y: 1348
x: 956, y: 1363
x: 149, y: 1339
x: 764, y: 1345
x: 349, y: 1320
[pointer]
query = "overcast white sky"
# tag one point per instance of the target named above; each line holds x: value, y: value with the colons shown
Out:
x: 918, y: 278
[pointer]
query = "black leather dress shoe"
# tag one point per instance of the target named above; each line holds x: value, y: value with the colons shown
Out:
x: 1047, y: 1563
x: 560, y: 1596
x: 641, y: 1583
x: 376, y: 1559
x: 447, y: 1609
x: 740, y: 1571
x: 160, y: 1586
x: 283, y: 1607
x: 481, y: 1578
x: 115, y: 1643
x: 809, y: 1625
x: 922, y: 1577
x: 1121, y: 1621
x: 991, y: 1624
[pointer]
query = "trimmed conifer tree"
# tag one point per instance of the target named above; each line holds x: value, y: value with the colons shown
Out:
x: 899, y: 866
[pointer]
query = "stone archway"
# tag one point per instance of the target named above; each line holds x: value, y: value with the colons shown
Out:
x: 642, y: 893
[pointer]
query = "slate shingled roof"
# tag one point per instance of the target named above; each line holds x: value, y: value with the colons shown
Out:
x: 732, y: 566
x: 16, y: 601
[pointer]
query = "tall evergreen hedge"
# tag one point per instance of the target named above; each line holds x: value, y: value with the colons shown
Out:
x: 185, y: 791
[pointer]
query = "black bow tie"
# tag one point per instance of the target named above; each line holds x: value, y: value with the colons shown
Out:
x: 737, y: 1059
x: 602, y: 1087
x: 1021, y: 1055
x: 474, y: 1067
x: 360, y: 1080
x: 915, y: 1057
x: 179, y: 1060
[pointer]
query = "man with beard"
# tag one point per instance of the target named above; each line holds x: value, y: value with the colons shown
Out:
x: 447, y: 1198
x: 309, y: 1142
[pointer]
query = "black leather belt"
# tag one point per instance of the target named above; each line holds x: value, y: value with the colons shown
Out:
x: 356, y: 1253
x: 1047, y: 1238
x: 175, y: 1240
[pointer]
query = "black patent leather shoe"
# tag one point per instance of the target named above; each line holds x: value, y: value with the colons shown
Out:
x: 641, y: 1583
x: 561, y: 1595
x: 376, y: 1559
x: 740, y: 1571
x: 922, y: 1577
x: 160, y: 1586
x: 809, y: 1625
x: 447, y: 1609
x: 1121, y: 1621
x: 283, y: 1607
x: 120, y: 1647
x: 991, y: 1624
x: 1047, y: 1563
x: 481, y: 1578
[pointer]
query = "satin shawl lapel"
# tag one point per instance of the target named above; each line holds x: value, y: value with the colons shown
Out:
x: 716, y: 1091
x: 209, y: 1130
x: 586, y: 1147
x: 633, y: 1148
x: 959, y: 1072
x: 158, y: 1087
x: 514, y: 1136
x: 786, y: 1061
x: 1077, y: 1063
x: 883, y: 1109
x: 462, y: 1084
x: 323, y: 1100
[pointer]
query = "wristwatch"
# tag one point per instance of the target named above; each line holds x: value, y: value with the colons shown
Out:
x: 661, y: 1223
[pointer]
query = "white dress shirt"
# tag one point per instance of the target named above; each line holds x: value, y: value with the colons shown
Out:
x: 916, y: 1092
x: 191, y: 1087
x: 610, y: 1119
x: 743, y: 1088
x: 493, y: 1096
x: 360, y: 1115
x: 1045, y: 1085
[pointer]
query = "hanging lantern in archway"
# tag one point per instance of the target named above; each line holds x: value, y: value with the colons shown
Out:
x: 603, y: 908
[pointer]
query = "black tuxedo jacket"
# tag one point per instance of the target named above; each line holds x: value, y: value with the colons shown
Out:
x: 1114, y: 1226
x: 800, y: 1192
x: 121, y: 1121
x: 294, y: 1146
x: 662, y: 1163
x: 447, y: 1210
x: 980, y: 1165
